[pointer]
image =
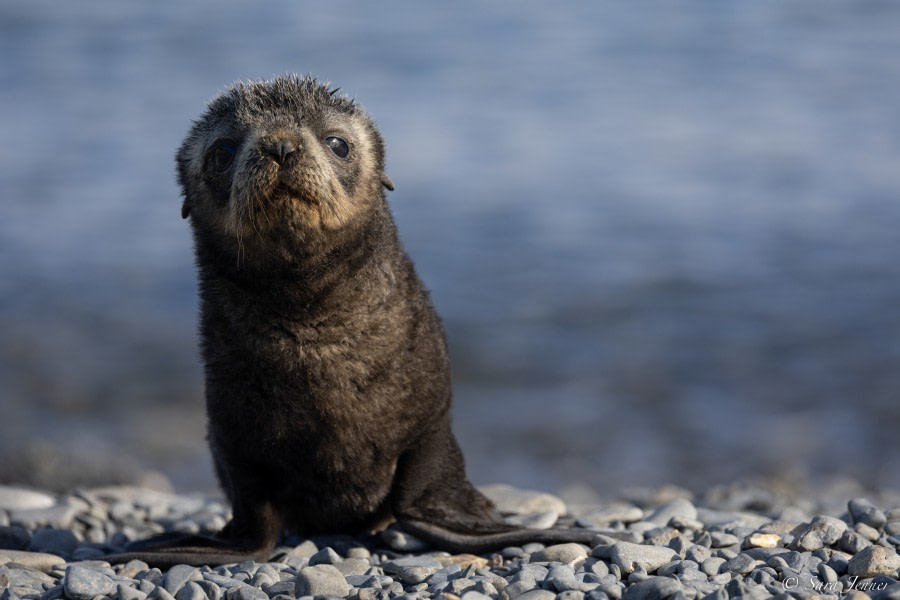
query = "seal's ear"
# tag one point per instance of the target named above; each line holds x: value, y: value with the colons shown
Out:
x: 386, y: 182
x: 185, y: 209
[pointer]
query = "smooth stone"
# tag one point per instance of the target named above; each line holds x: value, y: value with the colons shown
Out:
x: 179, y: 575
x: 473, y: 595
x: 630, y: 557
x: 463, y: 561
x: 697, y: 553
x: 517, y: 501
x: 16, y: 498
x: 321, y: 580
x: 59, y: 515
x: 679, y: 507
x: 191, y: 591
x: 741, y: 564
x: 874, y: 560
x: 517, y: 589
x: 711, y: 566
x: 41, y: 561
x: 414, y: 569
x: 863, y: 511
x: 852, y: 543
x: 537, y: 595
x: 536, y: 520
x: 353, y: 566
x: 248, y: 592
x: 868, y: 533
x: 325, y: 556
x: 653, y: 588
x: 401, y: 541
x: 821, y: 531
x: 564, y: 553
x: 761, y: 540
x: 126, y: 592
x: 616, y: 512
x: 83, y: 584
x: 720, y: 539
x: 570, y: 595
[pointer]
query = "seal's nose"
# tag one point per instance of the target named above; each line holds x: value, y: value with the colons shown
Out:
x: 279, y: 150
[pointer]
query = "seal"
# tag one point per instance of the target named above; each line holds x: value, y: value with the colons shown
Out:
x: 326, y: 366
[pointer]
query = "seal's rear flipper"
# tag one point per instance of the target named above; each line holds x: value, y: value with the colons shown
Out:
x: 168, y: 550
x: 435, y: 501
x: 479, y: 543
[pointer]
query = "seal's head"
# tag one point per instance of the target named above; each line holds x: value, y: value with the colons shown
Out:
x: 273, y: 167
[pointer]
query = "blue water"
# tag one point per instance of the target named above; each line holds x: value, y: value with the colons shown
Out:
x: 663, y: 238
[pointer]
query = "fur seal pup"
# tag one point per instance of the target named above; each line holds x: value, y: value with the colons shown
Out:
x: 327, y: 372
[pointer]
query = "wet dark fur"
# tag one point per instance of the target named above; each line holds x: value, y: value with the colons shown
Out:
x: 327, y: 373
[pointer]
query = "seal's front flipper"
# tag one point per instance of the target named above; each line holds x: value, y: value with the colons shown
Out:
x: 435, y: 501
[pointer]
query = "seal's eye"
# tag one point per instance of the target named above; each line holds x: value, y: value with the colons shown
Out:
x: 223, y: 155
x: 339, y: 147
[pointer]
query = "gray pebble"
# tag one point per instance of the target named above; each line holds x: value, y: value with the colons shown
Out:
x: 720, y: 539
x: 35, y: 560
x: 741, y: 564
x: 570, y: 595
x: 191, y: 591
x: 517, y: 589
x: 892, y: 528
x: 126, y: 592
x: 869, y: 533
x: 536, y: 520
x: 474, y: 595
x: 629, y: 557
x: 16, y: 498
x: 711, y: 566
x: 401, y: 541
x: 325, y: 556
x: 353, y: 566
x: 851, y: 542
x: 863, y: 511
x: 513, y: 500
x: 618, y: 512
x: 84, y: 584
x: 697, y: 553
x: 821, y: 531
x: 564, y: 553
x: 457, y: 586
x: 412, y: 570
x: 874, y: 560
x: 248, y: 592
x: 487, y: 588
x: 321, y: 580
x: 537, y: 595
x: 679, y: 507
x: 179, y: 575
x: 653, y: 588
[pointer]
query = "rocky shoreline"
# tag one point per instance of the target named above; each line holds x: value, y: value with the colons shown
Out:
x: 739, y: 540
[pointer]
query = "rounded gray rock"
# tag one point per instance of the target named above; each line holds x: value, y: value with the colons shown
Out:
x: 630, y: 557
x: 564, y: 553
x: 679, y: 507
x: 537, y: 595
x: 652, y: 588
x: 863, y: 511
x: 321, y: 580
x: 191, y: 591
x: 874, y: 560
x: 83, y: 584
x: 820, y: 532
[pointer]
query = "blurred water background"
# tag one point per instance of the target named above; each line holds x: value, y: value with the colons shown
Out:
x: 664, y: 238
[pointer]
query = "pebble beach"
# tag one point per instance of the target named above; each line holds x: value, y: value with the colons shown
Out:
x: 740, y: 540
